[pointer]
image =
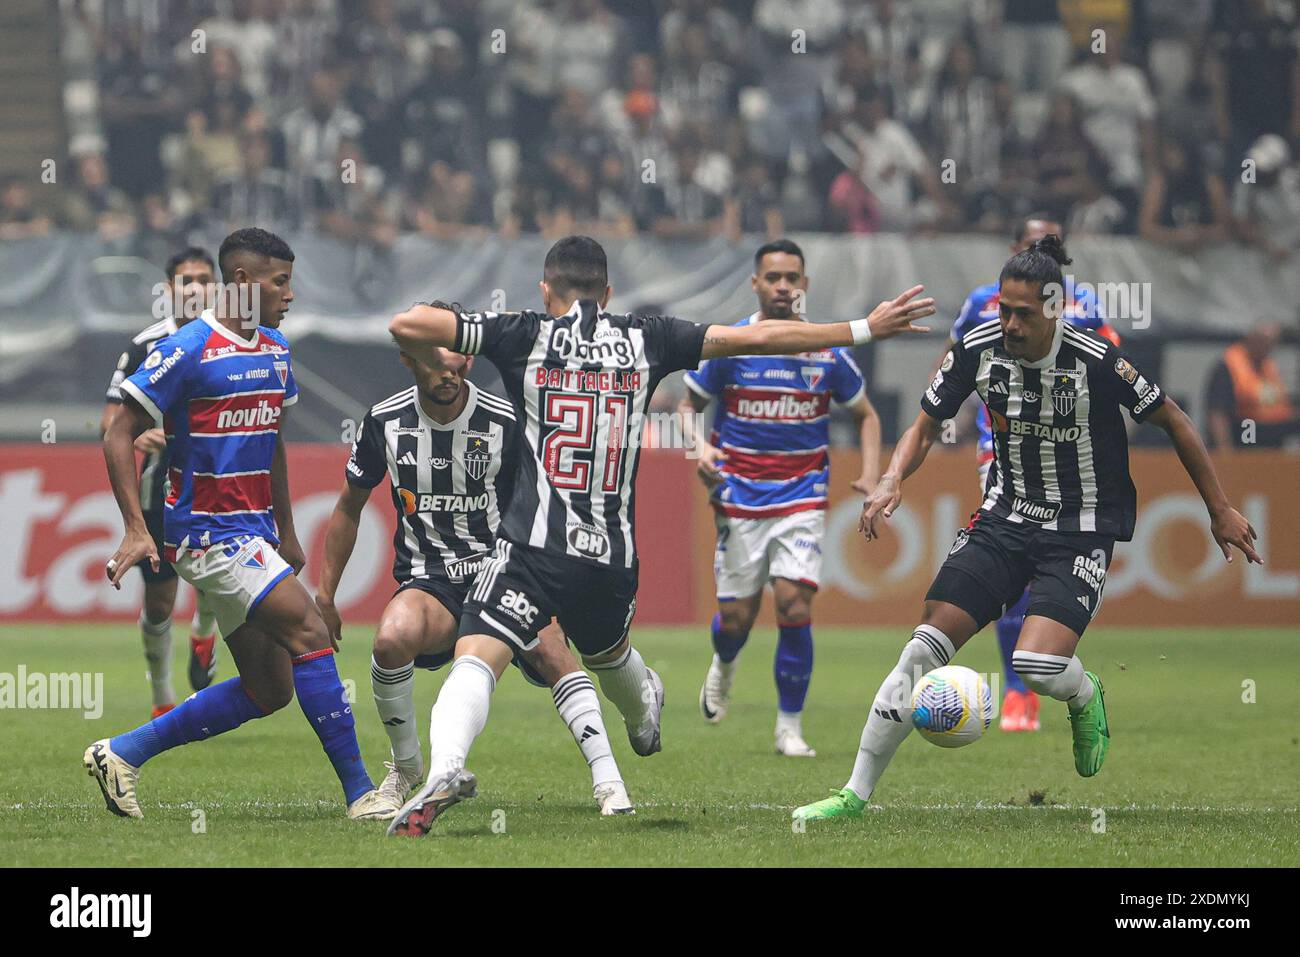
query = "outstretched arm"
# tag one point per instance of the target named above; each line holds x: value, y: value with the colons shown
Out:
x: 787, y: 337
x: 1227, y: 525
x: 908, y: 455
x: 119, y: 455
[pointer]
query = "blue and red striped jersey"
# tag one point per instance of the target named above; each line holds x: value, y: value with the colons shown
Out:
x: 219, y: 397
x: 773, y: 425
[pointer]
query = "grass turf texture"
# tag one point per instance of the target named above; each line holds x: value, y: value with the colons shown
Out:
x: 1195, y: 776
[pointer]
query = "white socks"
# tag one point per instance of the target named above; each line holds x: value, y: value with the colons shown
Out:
x: 394, y: 691
x: 579, y: 708
x: 624, y: 683
x: 792, y: 723
x: 891, y: 712
x: 459, y: 714
x: 157, y: 637
x: 204, y: 624
x: 1055, y: 676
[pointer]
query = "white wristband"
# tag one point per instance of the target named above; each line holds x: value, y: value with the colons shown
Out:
x: 861, y: 330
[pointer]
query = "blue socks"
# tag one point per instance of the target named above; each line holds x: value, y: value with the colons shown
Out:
x: 323, y: 701
x: 726, y: 645
x: 212, y: 711
x: 1009, y: 626
x: 793, y: 667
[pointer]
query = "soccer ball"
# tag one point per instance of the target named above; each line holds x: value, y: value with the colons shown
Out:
x: 952, y: 706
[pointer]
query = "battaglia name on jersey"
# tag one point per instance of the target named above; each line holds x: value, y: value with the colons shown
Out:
x: 578, y: 380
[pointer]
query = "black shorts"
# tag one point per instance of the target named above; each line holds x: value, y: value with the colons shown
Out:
x: 451, y: 595
x: 153, y: 519
x: 520, y: 589
x: 994, y: 560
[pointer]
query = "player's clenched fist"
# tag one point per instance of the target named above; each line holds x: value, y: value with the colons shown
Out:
x: 136, y: 545
x: 884, y: 499
x: 898, y: 315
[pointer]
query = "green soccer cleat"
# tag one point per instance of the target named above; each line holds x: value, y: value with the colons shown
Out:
x: 841, y: 803
x: 1091, y: 731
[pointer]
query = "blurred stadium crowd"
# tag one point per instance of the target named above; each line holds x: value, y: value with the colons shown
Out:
x: 681, y: 118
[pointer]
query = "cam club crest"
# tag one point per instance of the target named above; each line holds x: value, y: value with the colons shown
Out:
x: 478, y: 456
x: 1065, y: 390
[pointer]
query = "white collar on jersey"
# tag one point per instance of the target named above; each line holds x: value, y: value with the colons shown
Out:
x: 1050, y: 358
x: 460, y: 420
x: 210, y: 318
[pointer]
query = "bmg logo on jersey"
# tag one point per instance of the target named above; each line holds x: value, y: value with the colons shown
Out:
x: 609, y: 350
x: 518, y: 606
x: 587, y: 540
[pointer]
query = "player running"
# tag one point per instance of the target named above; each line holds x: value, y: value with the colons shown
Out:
x: 221, y: 391
x: 190, y: 274
x: 768, y: 468
x: 450, y: 450
x: 1059, y: 497
x: 579, y: 379
x: 1078, y: 307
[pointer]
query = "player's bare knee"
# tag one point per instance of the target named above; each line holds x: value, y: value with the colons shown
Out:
x: 158, y: 603
x: 736, y: 618
x: 793, y: 610
x: 397, y: 642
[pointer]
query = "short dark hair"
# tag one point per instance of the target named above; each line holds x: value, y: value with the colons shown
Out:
x: 1022, y: 224
x: 577, y: 265
x: 189, y: 254
x: 252, y: 239
x: 1041, y: 263
x: 778, y: 246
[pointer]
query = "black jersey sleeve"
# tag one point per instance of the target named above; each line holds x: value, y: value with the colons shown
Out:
x: 127, y: 363
x: 1138, y: 393
x: 497, y: 335
x: 672, y: 344
x: 954, y: 381
x: 368, y: 464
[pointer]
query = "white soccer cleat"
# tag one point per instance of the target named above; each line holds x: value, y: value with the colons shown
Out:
x: 612, y: 799
x: 116, y: 779
x: 398, y: 782
x: 646, y: 741
x: 371, y: 806
x: 715, y: 695
x: 418, y: 814
x: 792, y: 745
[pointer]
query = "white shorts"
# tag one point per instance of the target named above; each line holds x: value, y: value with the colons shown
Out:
x: 751, y: 551
x: 234, y: 576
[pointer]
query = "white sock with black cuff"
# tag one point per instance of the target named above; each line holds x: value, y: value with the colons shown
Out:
x: 890, y: 720
x: 624, y: 683
x: 460, y: 713
x: 394, y: 691
x: 1054, y: 676
x: 579, y: 708
x: 157, y: 638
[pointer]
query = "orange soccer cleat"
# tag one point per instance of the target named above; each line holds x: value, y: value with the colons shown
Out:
x: 1030, y: 720
x: 159, y: 710
x: 1013, y: 711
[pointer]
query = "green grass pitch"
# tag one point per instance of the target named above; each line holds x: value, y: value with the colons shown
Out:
x: 1195, y: 775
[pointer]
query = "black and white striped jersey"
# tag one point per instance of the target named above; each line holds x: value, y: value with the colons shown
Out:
x: 448, y: 481
x: 1060, y: 446
x: 580, y: 384
x: 153, y: 474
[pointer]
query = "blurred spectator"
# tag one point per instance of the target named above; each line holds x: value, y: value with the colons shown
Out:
x: 447, y: 204
x: 246, y: 31
x: 19, y: 217
x: 756, y: 201
x: 1063, y: 153
x: 441, y: 117
x: 1246, y: 385
x: 1267, y: 210
x: 99, y: 205
x: 257, y: 192
x: 1184, y: 205
x: 1096, y: 212
x: 695, y: 212
x: 718, y: 29
x: 1254, y: 73
x: 850, y: 205
x: 138, y: 106
x: 1118, y: 114
x: 1035, y: 46
x: 893, y: 166
x: 351, y: 203
x: 963, y: 126
x: 586, y: 46
x: 313, y: 132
